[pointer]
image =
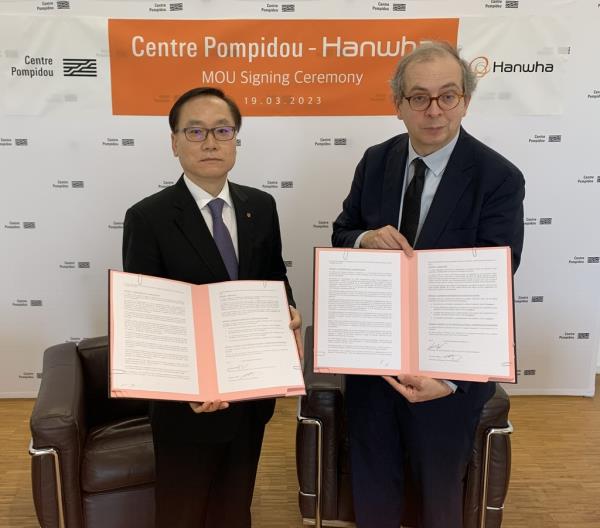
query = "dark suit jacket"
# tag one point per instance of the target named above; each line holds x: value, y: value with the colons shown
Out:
x: 165, y: 235
x: 479, y: 201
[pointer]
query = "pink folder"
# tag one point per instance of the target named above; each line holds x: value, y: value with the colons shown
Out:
x: 408, y: 352
x: 204, y: 350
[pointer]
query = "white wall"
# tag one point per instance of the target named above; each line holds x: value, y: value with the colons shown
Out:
x: 57, y: 131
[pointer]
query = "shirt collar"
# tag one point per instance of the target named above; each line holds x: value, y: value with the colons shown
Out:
x: 436, y: 161
x: 202, y: 197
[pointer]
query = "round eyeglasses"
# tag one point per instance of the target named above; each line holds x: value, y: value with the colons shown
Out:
x: 220, y: 133
x: 446, y: 101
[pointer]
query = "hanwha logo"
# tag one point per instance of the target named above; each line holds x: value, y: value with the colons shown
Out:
x: 480, y: 66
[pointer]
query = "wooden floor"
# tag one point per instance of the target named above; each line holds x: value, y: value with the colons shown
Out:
x: 555, y: 480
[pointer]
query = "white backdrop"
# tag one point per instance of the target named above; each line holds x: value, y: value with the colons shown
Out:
x: 70, y: 168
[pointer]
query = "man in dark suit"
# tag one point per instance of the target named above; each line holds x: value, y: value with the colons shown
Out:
x: 206, y: 453
x: 435, y: 187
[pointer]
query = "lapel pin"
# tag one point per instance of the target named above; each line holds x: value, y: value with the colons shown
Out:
x: 248, y: 215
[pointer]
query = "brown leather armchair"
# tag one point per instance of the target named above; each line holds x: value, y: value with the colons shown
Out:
x: 92, y: 457
x: 322, y: 460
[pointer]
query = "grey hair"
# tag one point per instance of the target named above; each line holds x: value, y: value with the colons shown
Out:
x: 427, y: 51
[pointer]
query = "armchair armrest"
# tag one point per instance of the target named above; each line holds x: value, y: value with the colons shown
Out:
x: 490, y: 465
x: 57, y: 424
x: 318, y: 437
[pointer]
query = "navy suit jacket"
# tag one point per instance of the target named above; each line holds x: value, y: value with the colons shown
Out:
x: 479, y: 202
x: 165, y: 235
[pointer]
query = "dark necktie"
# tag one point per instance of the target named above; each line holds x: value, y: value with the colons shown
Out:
x: 222, y: 238
x: 411, y: 208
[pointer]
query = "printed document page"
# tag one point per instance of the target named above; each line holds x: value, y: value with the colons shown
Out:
x: 254, y: 346
x: 154, y: 330
x: 359, y: 309
x: 464, y: 311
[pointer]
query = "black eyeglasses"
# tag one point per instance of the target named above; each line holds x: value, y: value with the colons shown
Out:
x: 220, y: 133
x: 446, y: 101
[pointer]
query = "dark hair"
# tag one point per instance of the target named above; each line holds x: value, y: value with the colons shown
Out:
x: 204, y: 91
x: 428, y: 51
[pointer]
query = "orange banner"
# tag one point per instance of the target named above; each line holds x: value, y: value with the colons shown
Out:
x: 271, y: 68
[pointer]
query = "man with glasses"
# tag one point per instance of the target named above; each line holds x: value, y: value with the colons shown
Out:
x: 434, y: 187
x: 206, y: 229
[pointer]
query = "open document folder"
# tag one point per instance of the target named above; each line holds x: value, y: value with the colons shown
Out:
x: 441, y: 313
x: 170, y: 340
